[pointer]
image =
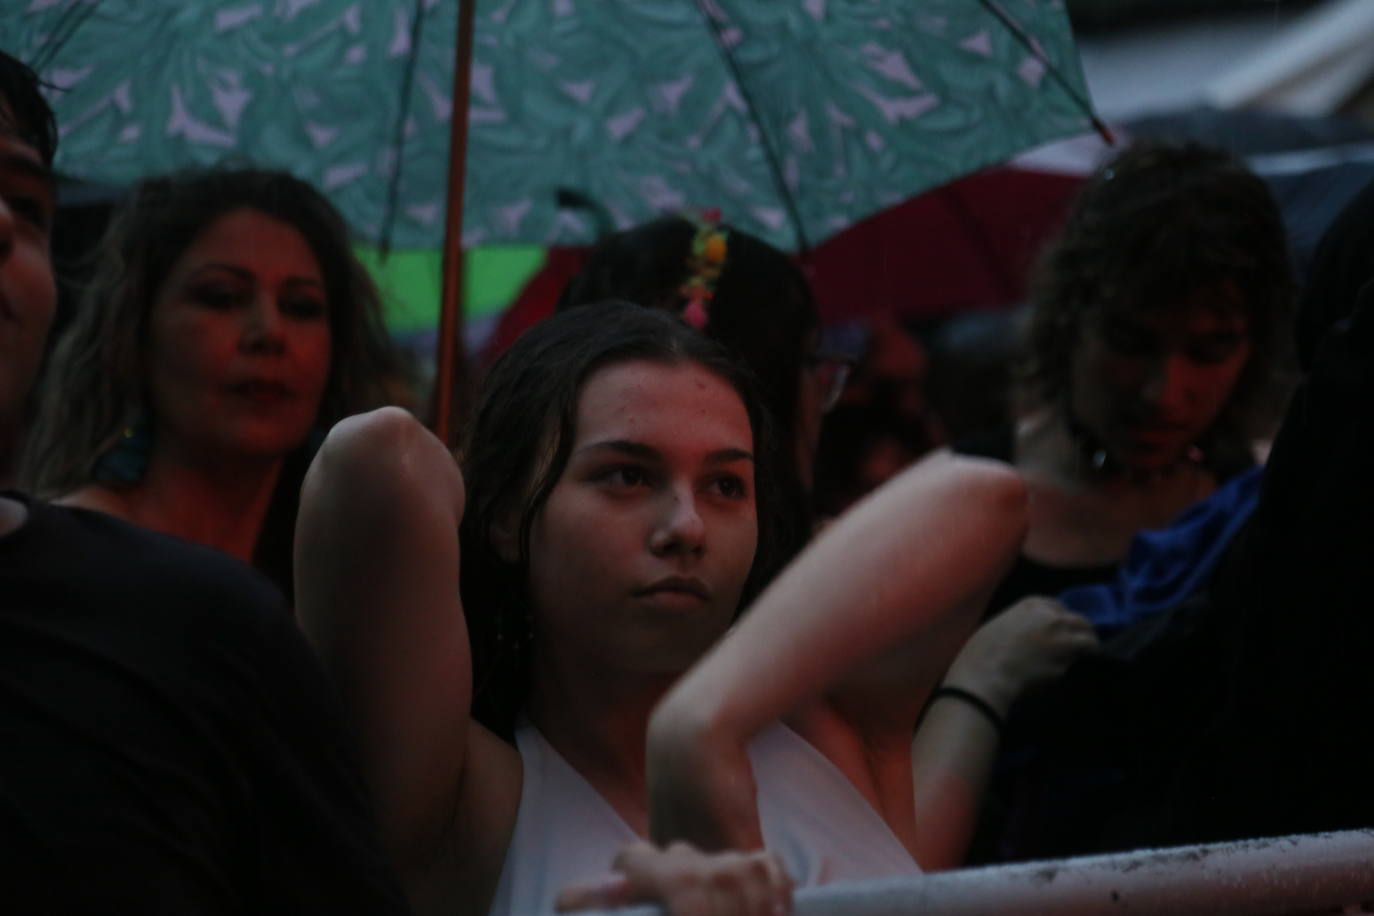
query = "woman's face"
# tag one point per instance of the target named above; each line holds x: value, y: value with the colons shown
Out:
x: 239, y: 343
x: 28, y: 294
x: 1149, y: 385
x: 640, y: 554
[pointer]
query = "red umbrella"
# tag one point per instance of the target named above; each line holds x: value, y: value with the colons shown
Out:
x: 967, y: 244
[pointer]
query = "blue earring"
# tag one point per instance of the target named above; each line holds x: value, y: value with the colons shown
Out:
x: 127, y: 460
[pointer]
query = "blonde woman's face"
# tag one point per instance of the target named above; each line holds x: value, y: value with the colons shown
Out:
x: 239, y: 345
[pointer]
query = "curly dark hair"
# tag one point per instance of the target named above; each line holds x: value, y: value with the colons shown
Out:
x: 517, y: 447
x: 1157, y: 226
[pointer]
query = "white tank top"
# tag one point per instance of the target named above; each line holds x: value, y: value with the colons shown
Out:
x: 812, y: 817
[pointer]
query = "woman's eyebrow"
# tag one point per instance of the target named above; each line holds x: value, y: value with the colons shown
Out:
x: 728, y: 455
x: 27, y: 167
x: 244, y: 273
x: 644, y: 452
x: 625, y: 447
x: 211, y: 266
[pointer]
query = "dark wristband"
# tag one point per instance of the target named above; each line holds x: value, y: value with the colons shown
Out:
x: 973, y: 700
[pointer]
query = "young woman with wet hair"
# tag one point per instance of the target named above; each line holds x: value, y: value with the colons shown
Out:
x: 620, y: 477
x: 755, y: 300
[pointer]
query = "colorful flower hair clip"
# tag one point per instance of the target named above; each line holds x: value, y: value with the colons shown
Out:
x: 705, y: 261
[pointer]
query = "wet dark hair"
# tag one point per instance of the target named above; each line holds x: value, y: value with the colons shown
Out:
x: 29, y: 117
x: 1157, y: 227
x: 762, y: 311
x: 517, y: 447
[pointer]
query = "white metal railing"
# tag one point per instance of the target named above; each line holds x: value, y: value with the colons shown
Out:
x: 1313, y: 873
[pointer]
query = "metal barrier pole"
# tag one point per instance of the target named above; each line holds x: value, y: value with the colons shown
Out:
x: 1306, y: 874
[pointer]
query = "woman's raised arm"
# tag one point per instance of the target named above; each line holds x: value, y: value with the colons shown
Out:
x: 377, y: 562
x: 916, y: 558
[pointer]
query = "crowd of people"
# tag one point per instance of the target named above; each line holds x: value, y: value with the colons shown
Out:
x: 268, y: 645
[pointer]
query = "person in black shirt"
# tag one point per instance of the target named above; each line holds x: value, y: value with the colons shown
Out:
x: 168, y: 743
x: 1239, y: 713
x: 1157, y: 314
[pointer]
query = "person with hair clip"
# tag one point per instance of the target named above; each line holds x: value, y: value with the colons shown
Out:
x: 227, y: 326
x: 743, y: 292
x: 754, y: 300
x: 615, y: 515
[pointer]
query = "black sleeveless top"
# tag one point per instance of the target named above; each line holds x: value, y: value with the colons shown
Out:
x: 1031, y: 577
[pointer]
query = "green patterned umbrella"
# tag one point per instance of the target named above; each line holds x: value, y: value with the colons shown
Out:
x: 795, y: 117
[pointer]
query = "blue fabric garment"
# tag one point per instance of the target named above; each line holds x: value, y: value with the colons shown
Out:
x: 1165, y: 566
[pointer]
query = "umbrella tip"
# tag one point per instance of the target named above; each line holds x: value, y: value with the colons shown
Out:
x: 1103, y: 131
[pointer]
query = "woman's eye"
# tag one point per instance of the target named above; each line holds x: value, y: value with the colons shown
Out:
x: 1211, y: 352
x: 625, y: 476
x: 219, y: 297
x: 731, y: 487
x: 30, y: 210
x: 303, y: 307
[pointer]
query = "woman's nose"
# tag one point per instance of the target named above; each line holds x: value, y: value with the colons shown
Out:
x: 681, y: 528
x: 263, y: 331
x: 1168, y: 388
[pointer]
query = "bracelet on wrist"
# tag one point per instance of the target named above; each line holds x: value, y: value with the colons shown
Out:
x: 974, y: 700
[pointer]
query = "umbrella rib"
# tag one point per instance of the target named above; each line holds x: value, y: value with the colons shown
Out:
x: 393, y: 190
x: 769, y: 153
x: 1014, y: 27
x: 56, y: 41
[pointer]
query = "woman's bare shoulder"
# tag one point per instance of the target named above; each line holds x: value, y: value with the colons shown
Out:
x: 971, y: 476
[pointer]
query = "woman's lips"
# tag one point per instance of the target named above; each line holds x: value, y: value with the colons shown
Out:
x: 262, y: 390
x: 1155, y: 435
x: 682, y: 587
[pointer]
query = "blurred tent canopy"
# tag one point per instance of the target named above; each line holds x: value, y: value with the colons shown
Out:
x: 1319, y: 65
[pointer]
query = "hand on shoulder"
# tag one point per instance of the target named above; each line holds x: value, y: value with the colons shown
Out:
x: 1034, y: 640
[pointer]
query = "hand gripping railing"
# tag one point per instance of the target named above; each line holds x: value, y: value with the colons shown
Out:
x: 1306, y: 874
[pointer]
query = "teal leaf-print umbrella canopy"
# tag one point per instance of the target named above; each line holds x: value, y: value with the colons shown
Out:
x: 777, y: 112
